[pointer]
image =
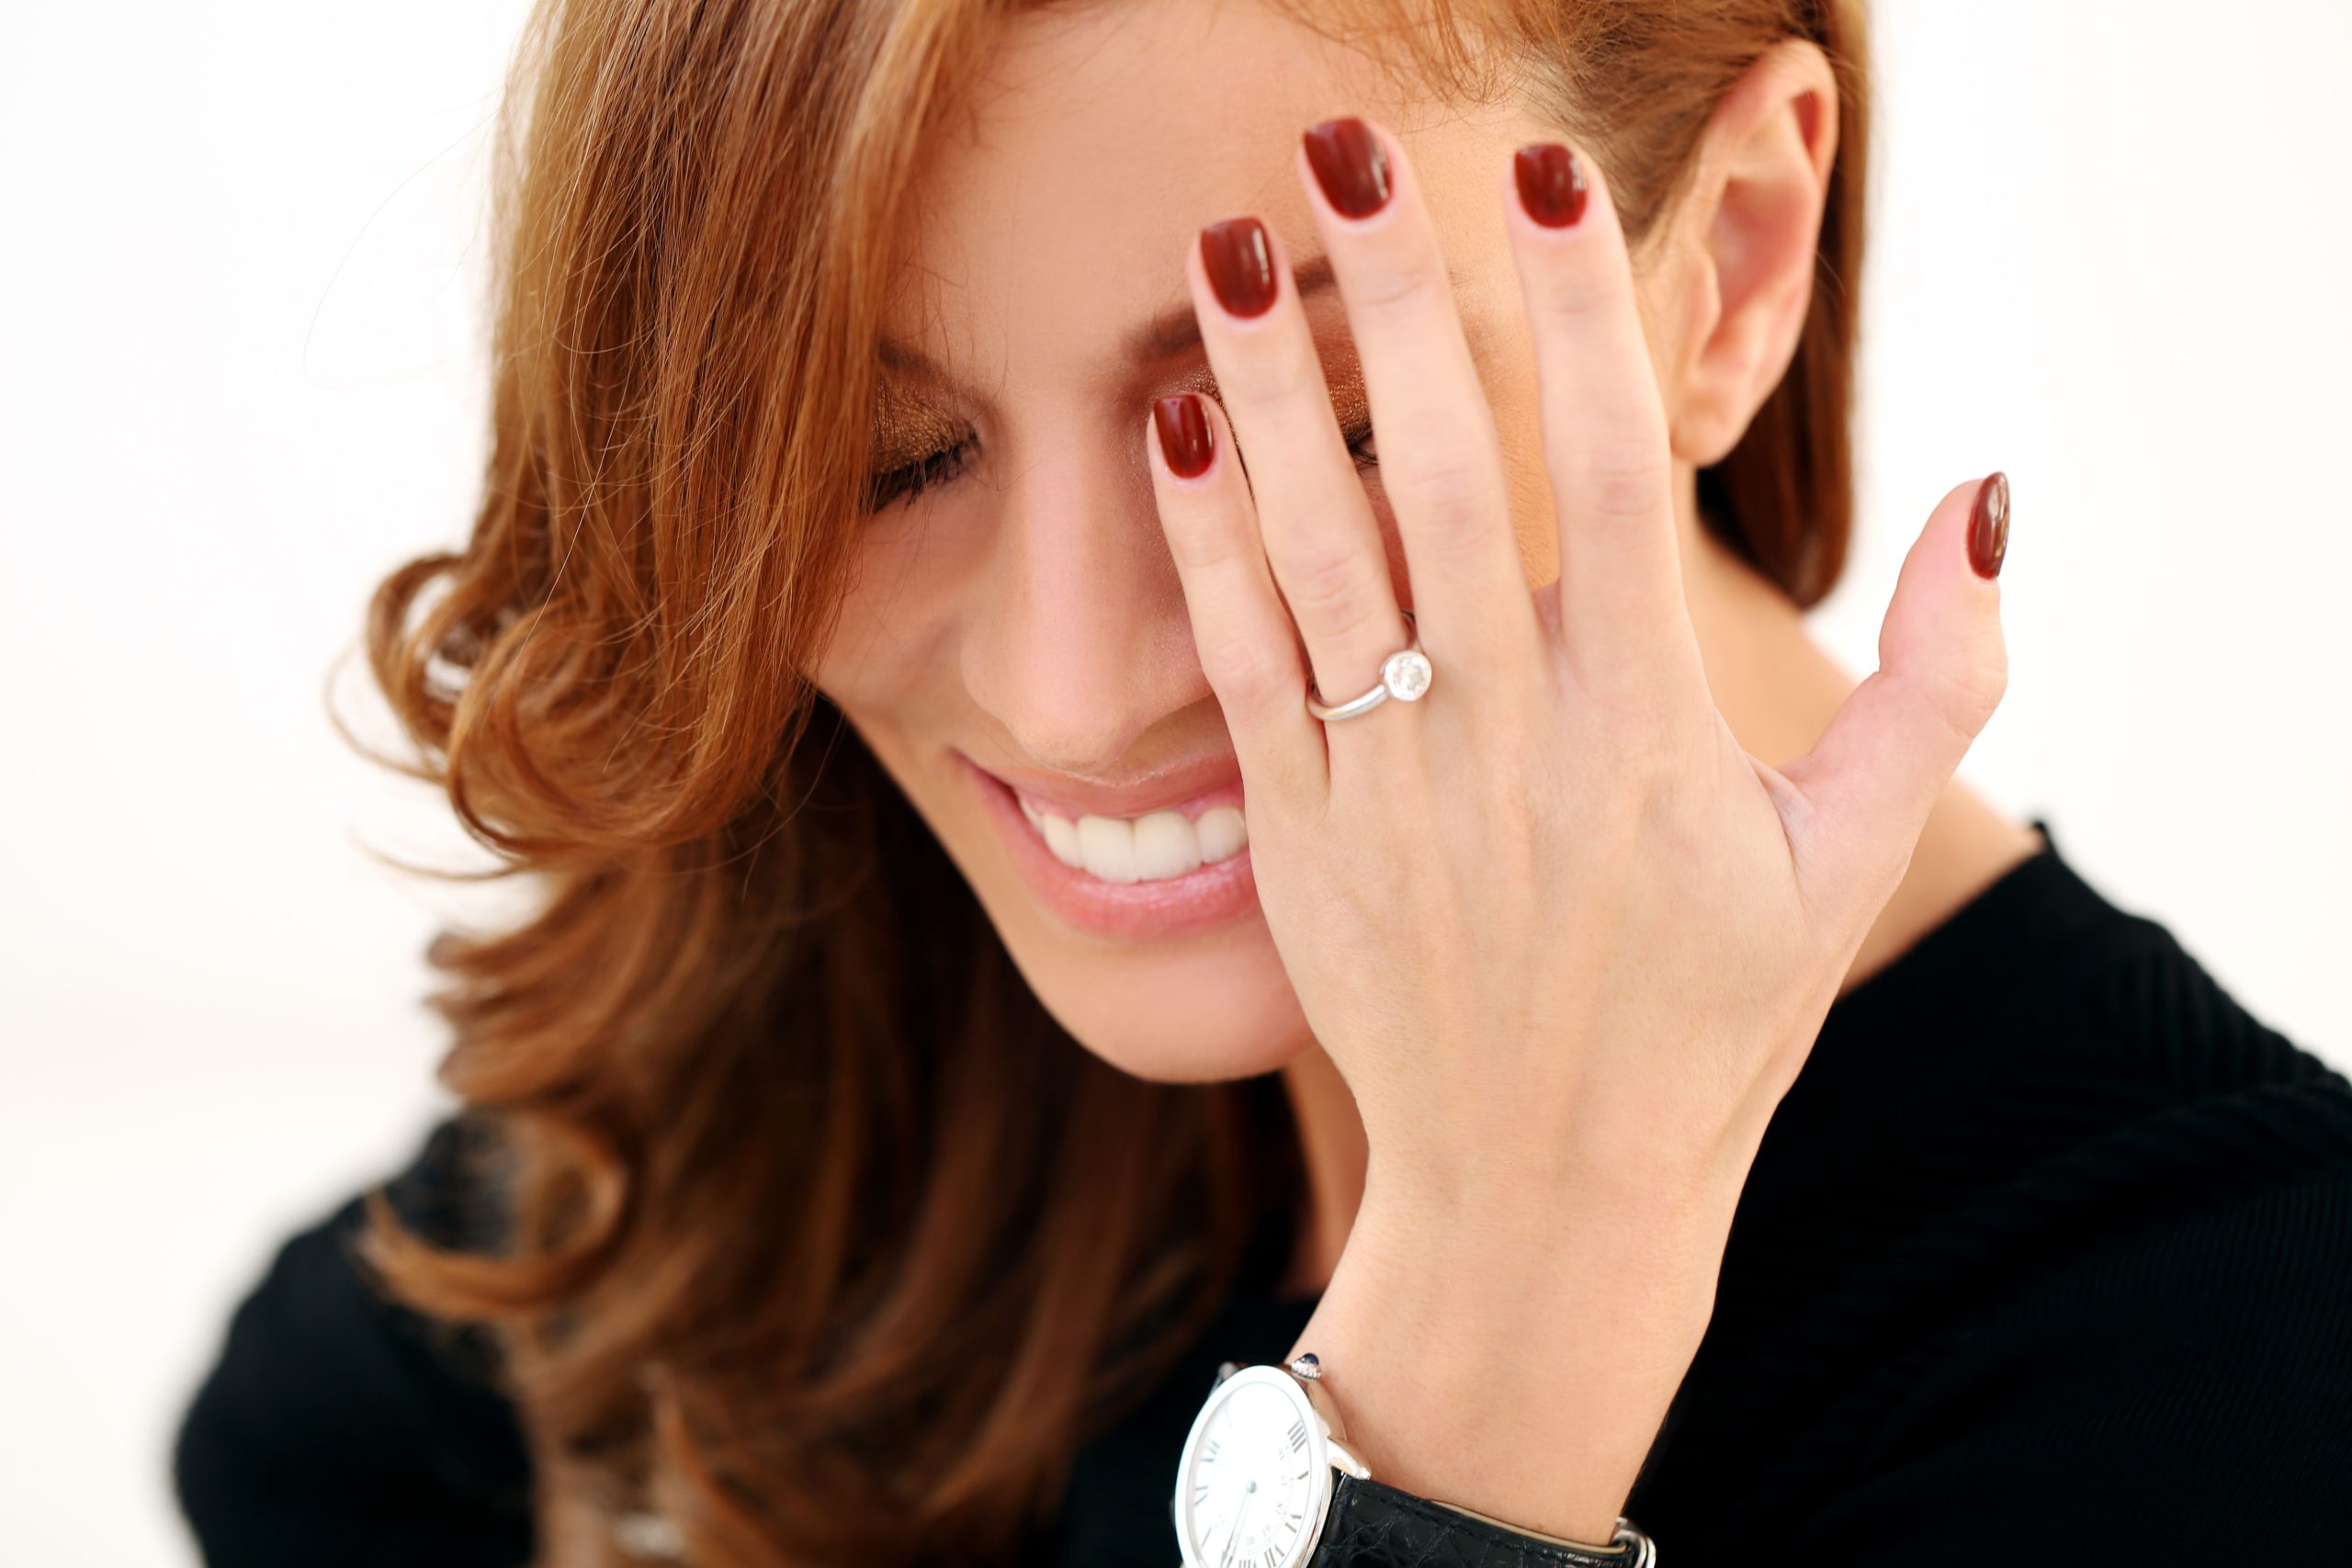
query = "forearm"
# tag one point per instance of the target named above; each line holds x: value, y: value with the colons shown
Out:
x: 1513, y: 1355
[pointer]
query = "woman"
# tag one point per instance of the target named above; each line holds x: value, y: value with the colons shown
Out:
x: 993, y: 970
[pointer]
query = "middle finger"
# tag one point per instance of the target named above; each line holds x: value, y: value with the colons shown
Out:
x: 1440, y: 460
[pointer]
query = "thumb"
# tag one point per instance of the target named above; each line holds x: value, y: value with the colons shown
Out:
x: 1874, y: 775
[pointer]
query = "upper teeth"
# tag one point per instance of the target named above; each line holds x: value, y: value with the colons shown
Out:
x: 1150, y: 848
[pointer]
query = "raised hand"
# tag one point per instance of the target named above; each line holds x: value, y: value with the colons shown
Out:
x: 1566, y: 941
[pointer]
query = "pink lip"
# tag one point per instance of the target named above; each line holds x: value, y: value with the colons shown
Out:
x: 1213, y: 896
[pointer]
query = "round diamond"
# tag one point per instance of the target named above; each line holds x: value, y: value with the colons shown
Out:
x: 1407, y: 674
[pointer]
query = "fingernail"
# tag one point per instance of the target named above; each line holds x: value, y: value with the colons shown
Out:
x: 1988, y: 525
x: 1350, y: 165
x: 1550, y: 184
x: 1240, y: 266
x: 1184, y: 438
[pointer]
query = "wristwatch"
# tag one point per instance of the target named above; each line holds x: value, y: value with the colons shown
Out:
x: 1266, y: 1481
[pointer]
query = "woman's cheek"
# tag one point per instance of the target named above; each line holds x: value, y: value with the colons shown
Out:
x: 894, y: 624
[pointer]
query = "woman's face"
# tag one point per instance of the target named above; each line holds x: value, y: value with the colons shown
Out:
x: 1017, y: 625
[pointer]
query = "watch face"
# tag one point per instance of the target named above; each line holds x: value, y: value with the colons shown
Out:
x: 1255, y: 1476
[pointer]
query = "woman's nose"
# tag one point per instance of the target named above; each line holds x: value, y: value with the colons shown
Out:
x: 1085, y: 644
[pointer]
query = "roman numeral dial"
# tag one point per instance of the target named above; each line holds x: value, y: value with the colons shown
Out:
x: 1255, y: 1476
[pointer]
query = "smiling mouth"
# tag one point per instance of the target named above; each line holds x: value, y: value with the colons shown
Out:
x: 1158, y: 846
x: 1179, y: 868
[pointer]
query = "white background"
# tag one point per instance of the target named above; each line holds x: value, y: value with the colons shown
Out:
x: 241, y: 382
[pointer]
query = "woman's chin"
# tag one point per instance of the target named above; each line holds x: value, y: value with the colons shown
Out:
x: 1191, y: 1059
x: 1199, y: 1017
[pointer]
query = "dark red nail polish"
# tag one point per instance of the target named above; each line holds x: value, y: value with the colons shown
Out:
x: 1240, y: 264
x: 1988, y: 525
x: 1184, y: 438
x: 1550, y: 184
x: 1350, y: 165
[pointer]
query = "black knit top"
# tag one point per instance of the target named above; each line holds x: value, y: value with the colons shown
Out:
x: 2046, y: 1258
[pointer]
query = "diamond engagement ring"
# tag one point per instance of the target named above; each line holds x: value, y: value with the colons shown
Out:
x: 1404, y: 675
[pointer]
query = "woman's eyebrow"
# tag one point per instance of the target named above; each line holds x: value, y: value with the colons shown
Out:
x: 1177, y: 331
x: 1173, y: 332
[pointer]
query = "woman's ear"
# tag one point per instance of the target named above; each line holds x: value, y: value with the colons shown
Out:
x: 1749, y: 228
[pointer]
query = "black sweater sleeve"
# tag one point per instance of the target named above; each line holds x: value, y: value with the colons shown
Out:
x: 339, y: 1428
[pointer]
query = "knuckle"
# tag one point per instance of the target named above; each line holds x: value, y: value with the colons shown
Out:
x: 1642, y: 752
x: 1204, y: 548
x: 1962, y: 694
x: 1971, y: 678
x: 1328, y: 586
x: 1244, y: 672
x: 1390, y: 281
x: 1274, y: 378
x: 1649, y: 767
x: 1571, y: 294
x: 1448, y: 492
x: 1622, y: 477
x: 1977, y: 685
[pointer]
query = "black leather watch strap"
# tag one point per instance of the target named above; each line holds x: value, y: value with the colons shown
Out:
x: 1373, y: 1526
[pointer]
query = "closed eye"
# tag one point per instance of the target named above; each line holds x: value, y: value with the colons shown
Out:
x: 910, y: 479
x: 905, y: 483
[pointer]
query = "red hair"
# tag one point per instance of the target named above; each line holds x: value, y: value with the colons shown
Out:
x: 827, y: 1243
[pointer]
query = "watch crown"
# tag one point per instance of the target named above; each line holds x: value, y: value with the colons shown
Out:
x: 1224, y: 1370
x: 1307, y: 1366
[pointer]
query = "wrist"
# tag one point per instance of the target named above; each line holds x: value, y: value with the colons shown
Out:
x: 1515, y: 1359
x: 1555, y: 1185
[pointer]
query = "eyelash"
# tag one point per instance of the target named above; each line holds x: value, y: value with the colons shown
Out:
x: 909, y: 481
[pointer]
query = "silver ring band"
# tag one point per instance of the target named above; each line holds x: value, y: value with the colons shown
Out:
x: 1404, y: 675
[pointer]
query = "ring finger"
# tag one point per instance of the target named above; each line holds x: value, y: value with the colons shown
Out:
x: 1321, y: 536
